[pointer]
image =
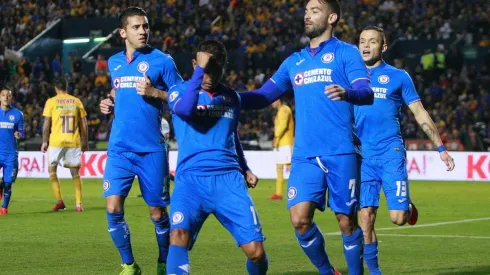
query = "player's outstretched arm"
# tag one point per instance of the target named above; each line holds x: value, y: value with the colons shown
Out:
x: 262, y: 97
x: 430, y: 129
x: 360, y: 93
x: 46, y: 132
x: 272, y: 90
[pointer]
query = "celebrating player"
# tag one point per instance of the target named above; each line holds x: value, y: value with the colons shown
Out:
x: 11, y: 129
x: 139, y: 76
x: 328, y: 77
x: 384, y: 155
x: 211, y: 165
x: 65, y: 132
x: 283, y: 143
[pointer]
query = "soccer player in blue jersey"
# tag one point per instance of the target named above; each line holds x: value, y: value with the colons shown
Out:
x: 139, y: 76
x: 211, y: 165
x: 384, y: 155
x: 328, y: 77
x: 11, y: 130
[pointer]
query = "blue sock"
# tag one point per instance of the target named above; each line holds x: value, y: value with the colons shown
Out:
x: 371, y: 258
x: 353, y: 247
x: 7, y: 192
x: 119, y: 230
x: 258, y: 268
x: 162, y: 231
x: 178, y: 260
x: 313, y: 245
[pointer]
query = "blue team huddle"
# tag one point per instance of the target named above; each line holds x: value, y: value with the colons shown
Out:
x: 347, y: 147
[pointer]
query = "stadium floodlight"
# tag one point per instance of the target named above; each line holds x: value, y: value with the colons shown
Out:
x: 100, y: 39
x: 76, y: 40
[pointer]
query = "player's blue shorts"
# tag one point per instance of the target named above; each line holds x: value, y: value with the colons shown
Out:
x: 226, y: 196
x: 152, y: 171
x: 311, y: 178
x: 392, y: 176
x: 9, y: 164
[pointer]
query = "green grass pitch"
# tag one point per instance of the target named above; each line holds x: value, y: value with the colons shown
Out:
x: 33, y: 240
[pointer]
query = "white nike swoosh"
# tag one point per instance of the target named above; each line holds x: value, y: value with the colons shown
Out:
x: 112, y: 229
x: 401, y: 200
x: 299, y: 62
x: 351, y: 202
x: 309, y: 243
x: 350, y: 247
x: 161, y: 232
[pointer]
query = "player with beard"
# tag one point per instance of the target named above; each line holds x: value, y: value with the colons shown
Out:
x: 328, y: 77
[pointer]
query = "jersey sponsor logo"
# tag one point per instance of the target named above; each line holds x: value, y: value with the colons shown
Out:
x: 313, y: 76
x: 173, y: 96
x: 380, y: 92
x: 177, y: 218
x: 106, y: 185
x: 383, y: 79
x: 12, y: 118
x: 215, y: 111
x: 143, y: 67
x: 116, y: 82
x: 6, y: 125
x: 126, y: 81
x: 292, y: 192
x: 327, y: 58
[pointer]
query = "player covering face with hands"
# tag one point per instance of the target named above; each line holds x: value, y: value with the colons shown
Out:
x: 384, y: 155
x: 212, y: 175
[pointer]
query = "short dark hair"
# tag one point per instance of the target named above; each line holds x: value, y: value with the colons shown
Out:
x: 217, y: 49
x: 379, y: 30
x: 333, y: 7
x: 131, y: 11
x: 4, y: 87
x: 60, y: 82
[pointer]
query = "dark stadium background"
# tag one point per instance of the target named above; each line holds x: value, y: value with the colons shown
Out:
x: 444, y: 45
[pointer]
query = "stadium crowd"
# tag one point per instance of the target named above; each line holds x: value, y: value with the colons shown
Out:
x: 455, y: 92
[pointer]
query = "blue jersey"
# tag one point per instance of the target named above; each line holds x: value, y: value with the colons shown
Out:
x: 11, y: 121
x: 137, y: 119
x: 207, y: 141
x: 378, y: 125
x: 323, y: 127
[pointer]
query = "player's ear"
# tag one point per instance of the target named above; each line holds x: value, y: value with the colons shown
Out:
x: 384, y: 48
x: 332, y: 18
x: 122, y: 33
x: 194, y: 63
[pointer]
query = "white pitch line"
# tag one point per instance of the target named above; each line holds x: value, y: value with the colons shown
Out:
x: 419, y: 225
x: 434, y: 236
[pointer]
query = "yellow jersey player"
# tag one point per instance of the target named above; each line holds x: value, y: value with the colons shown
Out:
x: 65, y: 130
x: 283, y: 143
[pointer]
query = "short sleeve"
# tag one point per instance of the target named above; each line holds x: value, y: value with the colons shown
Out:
x: 409, y: 93
x: 170, y: 74
x: 353, y: 64
x: 47, y: 108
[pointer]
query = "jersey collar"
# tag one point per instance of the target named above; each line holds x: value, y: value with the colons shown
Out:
x: 136, y: 53
x: 314, y: 51
x: 377, y: 68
